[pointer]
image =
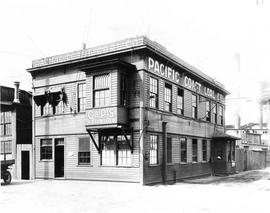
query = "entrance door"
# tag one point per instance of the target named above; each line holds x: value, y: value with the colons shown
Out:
x: 59, y: 158
x: 25, y: 164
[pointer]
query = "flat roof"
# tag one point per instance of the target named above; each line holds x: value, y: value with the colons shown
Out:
x: 122, y: 46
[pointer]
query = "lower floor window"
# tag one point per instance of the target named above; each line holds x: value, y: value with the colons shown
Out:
x: 84, y: 151
x: 45, y: 149
x: 115, y: 150
x: 194, y: 150
x: 153, y: 150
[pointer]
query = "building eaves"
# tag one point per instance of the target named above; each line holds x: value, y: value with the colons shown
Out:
x: 122, y: 46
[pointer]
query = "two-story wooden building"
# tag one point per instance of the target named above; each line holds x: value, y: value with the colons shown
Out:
x: 126, y: 111
x: 16, y: 130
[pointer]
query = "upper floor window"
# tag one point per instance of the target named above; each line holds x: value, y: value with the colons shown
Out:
x: 221, y: 118
x: 180, y: 102
x: 6, y: 123
x: 215, y: 112
x: 81, y: 97
x: 194, y: 106
x: 102, y: 90
x: 208, y: 112
x: 168, y: 97
x: 123, y: 91
x: 153, y: 93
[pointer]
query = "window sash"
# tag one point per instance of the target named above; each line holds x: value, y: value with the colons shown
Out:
x: 115, y: 150
x: 194, y: 150
x: 179, y: 105
x: 83, y: 158
x: 6, y: 147
x: 153, y: 93
x: 169, y: 150
x: 183, y: 147
x: 101, y: 98
x: 81, y: 97
x: 153, y: 154
x: 204, y: 150
x: 101, y: 82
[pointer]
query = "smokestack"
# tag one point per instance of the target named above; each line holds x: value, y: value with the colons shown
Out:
x: 84, y: 46
x: 16, y: 92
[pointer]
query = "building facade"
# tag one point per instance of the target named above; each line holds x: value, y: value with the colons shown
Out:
x: 252, y: 136
x: 16, y: 130
x: 126, y: 111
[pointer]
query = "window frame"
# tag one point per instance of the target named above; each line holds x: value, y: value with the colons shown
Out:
x: 114, y: 153
x: 167, y: 98
x: 99, y: 90
x: 215, y: 112
x: 194, y: 108
x: 46, y: 148
x: 81, y: 97
x: 180, y: 104
x: 204, y: 151
x: 169, y: 151
x: 208, y: 110
x: 153, y: 150
x: 194, y: 151
x: 183, y: 152
x: 153, y: 92
x: 6, y: 123
x: 221, y: 114
x: 123, y: 90
x: 81, y: 163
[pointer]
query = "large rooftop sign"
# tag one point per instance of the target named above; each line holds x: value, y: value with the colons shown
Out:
x: 172, y: 74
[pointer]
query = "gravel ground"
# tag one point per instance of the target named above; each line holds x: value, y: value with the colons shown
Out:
x: 244, y: 192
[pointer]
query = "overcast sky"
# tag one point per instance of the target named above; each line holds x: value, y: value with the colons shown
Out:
x: 207, y: 34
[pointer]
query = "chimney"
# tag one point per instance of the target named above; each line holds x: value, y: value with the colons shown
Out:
x: 16, y: 92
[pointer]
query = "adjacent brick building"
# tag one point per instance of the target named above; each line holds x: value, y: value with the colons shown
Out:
x: 126, y: 111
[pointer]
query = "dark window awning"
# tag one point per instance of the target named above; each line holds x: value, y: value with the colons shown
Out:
x: 222, y: 135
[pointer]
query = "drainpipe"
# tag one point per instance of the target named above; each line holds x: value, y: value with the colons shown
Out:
x: 164, y: 144
x: 16, y: 92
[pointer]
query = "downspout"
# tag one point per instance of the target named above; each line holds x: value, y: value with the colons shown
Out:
x: 164, y: 145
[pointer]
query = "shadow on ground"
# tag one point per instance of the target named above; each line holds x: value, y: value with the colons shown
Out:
x: 245, y: 177
x: 15, y: 183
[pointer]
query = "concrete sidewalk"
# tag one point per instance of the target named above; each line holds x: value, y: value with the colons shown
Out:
x: 246, y: 176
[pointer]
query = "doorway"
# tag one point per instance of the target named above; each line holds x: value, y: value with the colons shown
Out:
x: 25, y: 164
x: 59, y: 158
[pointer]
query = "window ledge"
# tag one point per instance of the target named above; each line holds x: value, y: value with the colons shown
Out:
x: 154, y: 165
x: 183, y: 163
x: 84, y: 165
x: 46, y: 160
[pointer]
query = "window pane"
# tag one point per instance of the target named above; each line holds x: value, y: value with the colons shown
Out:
x: 194, y: 150
x: 169, y: 150
x: 183, y: 147
x: 168, y: 98
x: 153, y: 93
x: 153, y: 150
x: 204, y: 150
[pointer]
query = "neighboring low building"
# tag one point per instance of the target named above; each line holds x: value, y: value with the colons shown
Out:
x: 127, y: 111
x: 253, y: 136
x: 16, y: 130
